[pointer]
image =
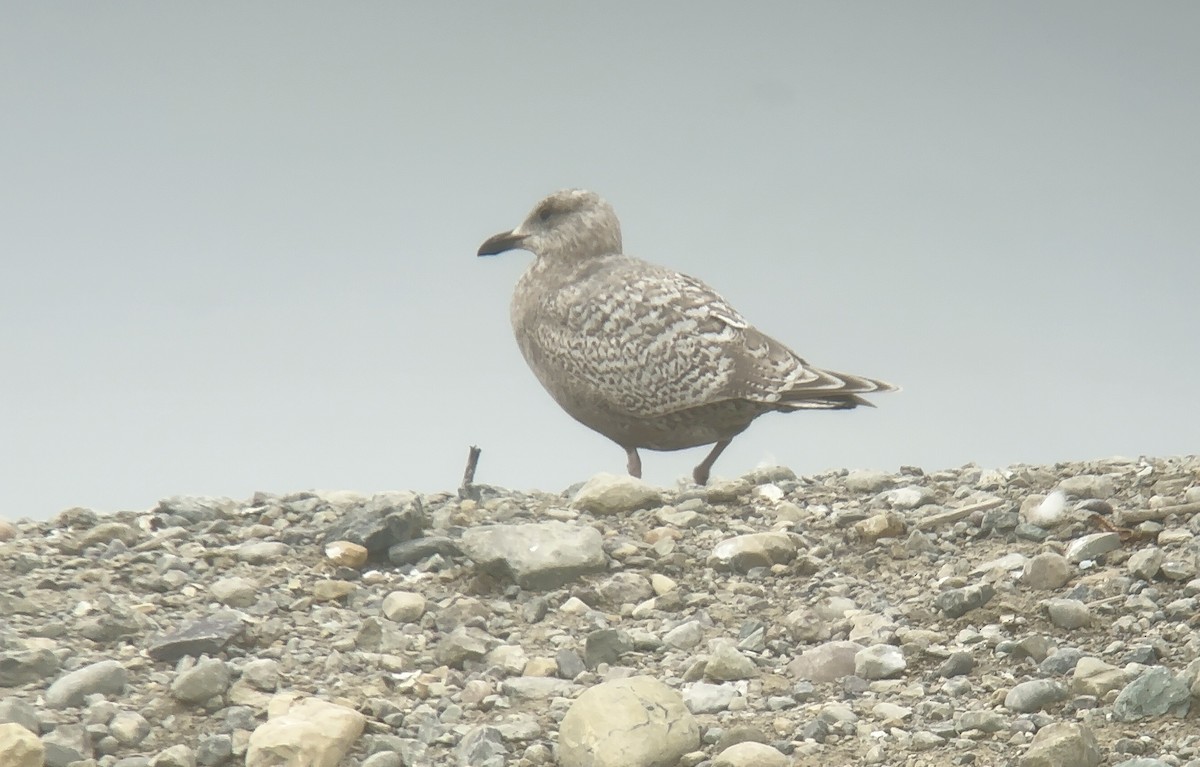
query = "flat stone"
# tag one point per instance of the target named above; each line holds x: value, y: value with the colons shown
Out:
x: 707, y: 698
x: 235, y: 591
x: 305, y: 731
x: 861, y: 481
x: 1034, y: 695
x: 1068, y: 613
x: 419, y: 549
x: 746, y: 552
x: 750, y: 754
x: 206, y: 636
x: 1093, y: 676
x: 106, y: 677
x: 67, y: 744
x: 380, y: 521
x: 607, y: 494
x: 1093, y: 546
x: 538, y: 556
x: 826, y: 663
x: 1088, y: 486
x: 956, y: 603
x: 1157, y: 692
x: 22, y: 667
x: 1062, y: 744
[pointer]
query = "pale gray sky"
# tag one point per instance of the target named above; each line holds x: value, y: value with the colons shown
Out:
x: 238, y: 239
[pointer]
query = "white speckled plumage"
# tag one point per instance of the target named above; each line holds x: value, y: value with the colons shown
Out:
x: 644, y: 355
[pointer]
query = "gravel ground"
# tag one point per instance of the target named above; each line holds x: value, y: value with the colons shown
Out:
x: 1034, y: 615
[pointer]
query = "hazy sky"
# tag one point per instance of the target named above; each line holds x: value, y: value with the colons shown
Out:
x: 238, y: 239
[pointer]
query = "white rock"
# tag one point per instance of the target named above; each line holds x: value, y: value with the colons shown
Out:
x: 304, y: 731
x: 632, y: 722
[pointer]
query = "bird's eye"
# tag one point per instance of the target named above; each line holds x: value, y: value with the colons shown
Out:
x: 545, y: 213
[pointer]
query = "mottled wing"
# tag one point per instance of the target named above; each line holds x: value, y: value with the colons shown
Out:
x: 650, y: 341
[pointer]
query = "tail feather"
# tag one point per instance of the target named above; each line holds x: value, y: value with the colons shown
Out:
x: 829, y: 390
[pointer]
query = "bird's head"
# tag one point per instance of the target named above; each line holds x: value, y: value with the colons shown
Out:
x: 572, y: 223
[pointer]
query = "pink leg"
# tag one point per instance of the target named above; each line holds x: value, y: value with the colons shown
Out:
x: 635, y: 462
x: 700, y: 473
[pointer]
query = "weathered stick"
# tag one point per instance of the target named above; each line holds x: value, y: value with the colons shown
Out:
x: 1146, y: 515
x: 469, y: 474
x: 953, y: 515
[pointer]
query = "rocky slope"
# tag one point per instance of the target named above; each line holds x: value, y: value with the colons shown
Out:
x: 1036, y: 615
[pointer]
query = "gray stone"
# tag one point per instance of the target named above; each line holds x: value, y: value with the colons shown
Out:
x: 570, y: 665
x: 206, y: 636
x: 1046, y: 571
x: 685, y: 636
x: 380, y: 522
x: 175, y: 756
x: 536, y: 687
x: 420, y: 549
x: 623, y: 588
x: 111, y: 626
x: 861, y: 481
x: 956, y: 603
x: 235, y: 591
x: 958, y: 664
x: 22, y: 667
x: 539, y: 556
x: 606, y: 646
x: 805, y: 625
x: 1156, y: 692
x: 983, y: 721
x: 263, y: 552
x: 726, y: 490
x: 463, y: 644
x: 1093, y: 546
x: 1145, y: 563
x: 207, y: 679
x: 826, y: 663
x: 726, y: 664
x: 1068, y: 613
x: 384, y: 759
x: 1063, y: 661
x: 1034, y: 695
x: 106, y: 677
x: 262, y: 674
x: 910, y: 497
x: 481, y: 746
x: 706, y: 698
x: 65, y: 744
x: 751, y: 754
x: 17, y: 711
x: 214, y: 750
x: 1087, y: 486
x: 129, y: 728
x: 880, y: 661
